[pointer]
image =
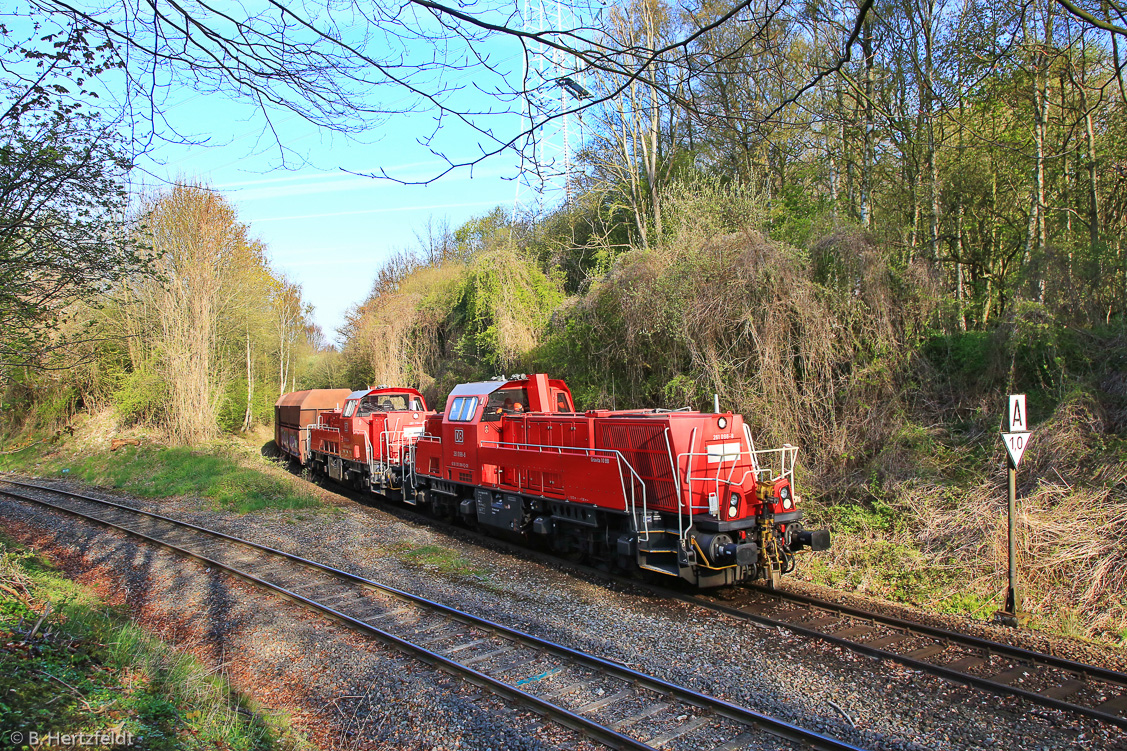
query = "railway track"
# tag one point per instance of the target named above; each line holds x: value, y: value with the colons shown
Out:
x: 604, y: 700
x: 997, y: 667
x: 1041, y: 678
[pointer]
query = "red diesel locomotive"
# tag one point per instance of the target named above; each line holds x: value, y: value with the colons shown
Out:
x: 680, y: 493
x: 365, y: 443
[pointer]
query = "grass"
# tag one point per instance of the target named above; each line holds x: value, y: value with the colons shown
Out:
x: 149, y: 471
x: 88, y: 669
x: 438, y: 559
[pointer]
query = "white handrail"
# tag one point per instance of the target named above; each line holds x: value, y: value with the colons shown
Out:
x: 788, y: 455
x: 371, y: 457
x: 681, y: 531
x: 676, y: 481
x: 751, y: 447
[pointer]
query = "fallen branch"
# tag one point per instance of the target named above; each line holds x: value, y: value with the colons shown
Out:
x: 843, y: 713
x: 46, y: 612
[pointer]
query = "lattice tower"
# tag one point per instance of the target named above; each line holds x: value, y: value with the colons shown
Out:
x: 555, y: 84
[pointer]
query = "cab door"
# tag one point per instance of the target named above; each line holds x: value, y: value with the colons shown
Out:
x: 461, y: 437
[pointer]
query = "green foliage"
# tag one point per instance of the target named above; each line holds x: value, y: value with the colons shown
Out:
x: 61, y: 238
x: 702, y: 208
x: 89, y: 669
x: 505, y: 303
x: 154, y: 472
x: 233, y: 404
x: 1035, y: 357
x: 54, y: 404
x: 798, y: 211
x: 965, y: 357
x: 481, y: 233
x: 876, y: 516
x: 140, y: 396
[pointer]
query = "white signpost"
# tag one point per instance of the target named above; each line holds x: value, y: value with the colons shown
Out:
x: 1016, y: 414
x: 1016, y: 439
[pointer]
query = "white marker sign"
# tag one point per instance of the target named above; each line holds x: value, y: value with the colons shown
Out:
x: 1015, y: 445
x: 1017, y: 415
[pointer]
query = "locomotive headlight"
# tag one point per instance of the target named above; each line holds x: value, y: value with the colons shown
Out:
x: 782, y: 492
x: 722, y: 422
x: 734, y: 507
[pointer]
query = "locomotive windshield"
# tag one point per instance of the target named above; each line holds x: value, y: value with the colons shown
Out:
x: 463, y: 409
x: 384, y: 403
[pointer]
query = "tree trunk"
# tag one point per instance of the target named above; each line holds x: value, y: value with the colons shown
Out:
x: 282, y: 354
x: 929, y: 99
x: 1093, y: 185
x: 250, y: 388
x: 868, y: 157
x: 960, y: 294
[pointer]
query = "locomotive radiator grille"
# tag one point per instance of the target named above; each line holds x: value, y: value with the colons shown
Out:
x: 645, y: 448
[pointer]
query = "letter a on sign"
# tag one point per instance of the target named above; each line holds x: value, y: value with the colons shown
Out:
x: 1018, y: 436
x: 1018, y: 423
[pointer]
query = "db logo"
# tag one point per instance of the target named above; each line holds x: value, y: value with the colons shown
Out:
x: 459, y: 436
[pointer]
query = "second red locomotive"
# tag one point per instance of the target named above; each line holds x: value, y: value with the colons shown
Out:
x: 680, y: 493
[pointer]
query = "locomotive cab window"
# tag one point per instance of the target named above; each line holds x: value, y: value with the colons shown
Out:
x: 561, y: 403
x: 350, y: 407
x: 464, y: 409
x: 505, y: 402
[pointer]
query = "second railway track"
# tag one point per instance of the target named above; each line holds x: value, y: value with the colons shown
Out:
x: 1004, y: 669
x: 604, y: 700
x: 1040, y: 678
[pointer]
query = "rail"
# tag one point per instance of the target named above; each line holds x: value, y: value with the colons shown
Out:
x: 272, y: 574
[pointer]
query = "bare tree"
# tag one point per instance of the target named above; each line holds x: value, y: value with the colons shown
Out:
x: 198, y: 248
x: 347, y: 65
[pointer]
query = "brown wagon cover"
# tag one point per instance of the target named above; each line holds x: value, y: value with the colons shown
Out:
x: 298, y: 409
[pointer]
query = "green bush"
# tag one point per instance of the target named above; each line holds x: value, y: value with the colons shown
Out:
x: 140, y: 396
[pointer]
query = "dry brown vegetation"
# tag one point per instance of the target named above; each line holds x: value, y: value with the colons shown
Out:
x: 441, y: 324
x: 938, y: 536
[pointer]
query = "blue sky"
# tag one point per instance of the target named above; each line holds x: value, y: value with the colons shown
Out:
x: 324, y: 228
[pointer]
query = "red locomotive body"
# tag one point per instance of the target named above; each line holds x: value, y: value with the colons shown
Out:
x: 368, y: 441
x: 680, y: 493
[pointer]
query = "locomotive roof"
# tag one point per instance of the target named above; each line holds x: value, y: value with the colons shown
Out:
x: 384, y: 390
x: 481, y: 387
